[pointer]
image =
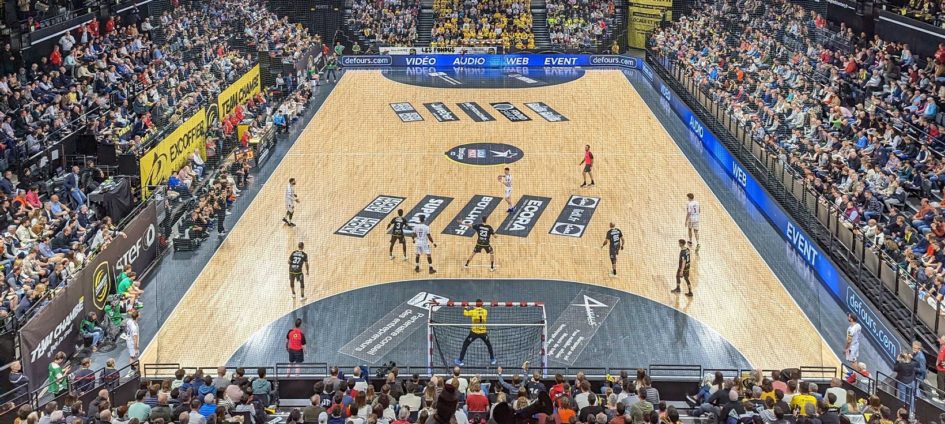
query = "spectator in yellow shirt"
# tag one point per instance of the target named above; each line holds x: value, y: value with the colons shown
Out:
x: 800, y: 401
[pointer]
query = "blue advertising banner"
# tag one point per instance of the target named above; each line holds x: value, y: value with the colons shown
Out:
x: 488, y: 60
x: 803, y: 244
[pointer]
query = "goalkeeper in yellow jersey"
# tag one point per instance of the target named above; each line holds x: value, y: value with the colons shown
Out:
x: 478, y: 315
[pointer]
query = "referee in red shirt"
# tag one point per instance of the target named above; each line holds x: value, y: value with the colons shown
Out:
x: 295, y: 344
x: 588, y: 163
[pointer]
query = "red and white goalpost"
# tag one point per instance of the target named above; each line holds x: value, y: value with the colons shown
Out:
x: 517, y: 331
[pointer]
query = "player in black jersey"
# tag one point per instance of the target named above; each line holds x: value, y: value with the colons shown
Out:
x: 484, y: 233
x: 683, y: 270
x: 296, y: 259
x: 615, y: 238
x: 396, y: 228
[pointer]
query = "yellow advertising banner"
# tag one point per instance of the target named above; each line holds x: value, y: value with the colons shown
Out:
x: 645, y: 16
x: 242, y: 89
x: 172, y: 153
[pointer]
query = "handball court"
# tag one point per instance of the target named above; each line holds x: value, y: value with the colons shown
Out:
x: 358, y: 147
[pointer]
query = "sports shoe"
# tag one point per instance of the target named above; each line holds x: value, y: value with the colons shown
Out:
x: 465, y: 266
x: 391, y: 257
x: 592, y: 184
x: 676, y: 290
x: 416, y: 268
x: 405, y: 259
x: 697, y: 247
x: 689, y: 294
x: 493, y: 361
x: 303, y: 296
x: 613, y: 273
x: 491, y: 268
x: 691, y: 400
x: 432, y: 271
x: 458, y: 363
x: 293, y: 295
x: 510, y: 210
x: 584, y: 185
x: 291, y: 224
x: 286, y: 221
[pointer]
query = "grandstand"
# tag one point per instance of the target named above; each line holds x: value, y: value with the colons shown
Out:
x: 199, y: 204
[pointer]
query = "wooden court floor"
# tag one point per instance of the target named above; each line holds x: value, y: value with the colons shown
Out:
x: 356, y: 148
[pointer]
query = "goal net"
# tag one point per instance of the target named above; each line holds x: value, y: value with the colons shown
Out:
x: 516, y: 332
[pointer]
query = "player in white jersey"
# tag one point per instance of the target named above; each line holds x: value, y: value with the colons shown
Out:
x: 290, y: 200
x: 506, y: 181
x: 693, y: 212
x: 423, y: 239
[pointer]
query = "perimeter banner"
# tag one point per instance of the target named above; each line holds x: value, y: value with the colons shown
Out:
x: 487, y: 60
x: 168, y: 156
x: 237, y: 93
x: 645, y: 16
x: 56, y: 327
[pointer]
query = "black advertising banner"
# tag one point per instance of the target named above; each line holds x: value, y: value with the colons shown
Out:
x: 575, y: 216
x: 527, y: 211
x: 471, y: 214
x: 546, y: 112
x: 368, y: 218
x: 56, y: 327
x: 431, y: 206
x: 511, y: 112
x: 441, y: 112
x: 475, y: 112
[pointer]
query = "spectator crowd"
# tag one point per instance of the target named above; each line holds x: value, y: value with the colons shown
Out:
x: 779, y: 398
x: 387, y: 22
x: 863, y: 127
x: 506, y: 23
x: 579, y: 24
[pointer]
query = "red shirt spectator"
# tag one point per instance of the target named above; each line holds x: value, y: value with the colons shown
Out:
x: 93, y: 27
x: 940, y: 54
x: 850, y: 66
x: 477, y: 402
x: 109, y: 25
x: 56, y: 56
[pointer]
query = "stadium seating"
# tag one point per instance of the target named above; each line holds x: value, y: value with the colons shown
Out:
x: 354, y: 395
x: 120, y: 86
x: 506, y: 23
x: 863, y: 126
x: 579, y: 24
x: 386, y: 22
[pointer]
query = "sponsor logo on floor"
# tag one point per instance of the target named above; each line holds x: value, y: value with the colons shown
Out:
x: 485, y: 154
x: 546, y: 112
x: 375, y: 343
x: 368, y: 218
x: 527, y: 211
x: 576, y: 326
x: 406, y: 112
x: 575, y: 216
x: 471, y: 214
x: 510, y: 112
x: 441, y: 112
x: 430, y: 206
x: 475, y: 112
